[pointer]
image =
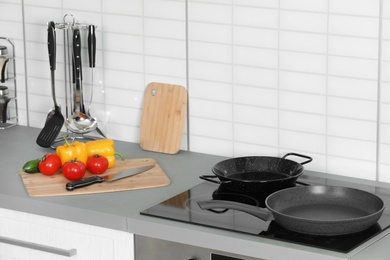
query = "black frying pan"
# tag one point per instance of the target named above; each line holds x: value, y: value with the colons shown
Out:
x: 314, y: 210
x: 257, y: 173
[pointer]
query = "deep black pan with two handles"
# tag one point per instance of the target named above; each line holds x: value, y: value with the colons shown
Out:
x: 257, y: 173
x: 314, y: 210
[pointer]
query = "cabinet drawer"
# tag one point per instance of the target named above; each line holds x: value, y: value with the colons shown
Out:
x: 27, y: 236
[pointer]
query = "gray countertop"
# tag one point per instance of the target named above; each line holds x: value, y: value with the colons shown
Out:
x: 120, y: 210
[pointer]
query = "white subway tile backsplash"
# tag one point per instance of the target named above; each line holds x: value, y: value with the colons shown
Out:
x: 114, y: 23
x: 218, y: 33
x: 251, y: 134
x: 11, y: 13
x: 255, y: 17
x: 256, y: 3
x: 302, y: 82
x: 211, y: 109
x: 298, y: 21
x: 211, y: 13
x: 212, y: 146
x: 352, y: 128
x: 164, y: 9
x: 253, y: 115
x: 87, y: 5
x: 386, y: 8
x: 352, y: 88
x: 210, y: 71
x: 353, y: 47
x: 303, y: 42
x: 123, y: 79
x: 305, y: 5
x: 255, y: 96
x: 123, y: 61
x: 257, y: 77
x: 125, y: 7
x: 351, y: 167
x: 52, y: 3
x: 350, y: 148
x: 353, y: 67
x: 12, y: 30
x: 210, y: 52
x: 125, y: 98
x: 353, y: 26
x: 384, y: 173
x: 244, y: 149
x: 351, y: 108
x: 211, y: 128
x: 355, y: 7
x: 202, y: 89
x: 165, y: 28
x: 255, y: 37
x: 299, y: 142
x: 302, y: 102
x: 165, y: 66
x: 384, y: 135
x: 114, y: 42
x: 302, y: 122
x: 169, y: 48
x: 249, y: 56
x: 385, y: 115
x: 303, y: 62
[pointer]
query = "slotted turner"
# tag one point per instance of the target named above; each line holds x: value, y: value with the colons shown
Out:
x: 55, y: 119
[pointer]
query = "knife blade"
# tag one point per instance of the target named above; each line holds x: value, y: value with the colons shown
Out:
x: 109, y: 177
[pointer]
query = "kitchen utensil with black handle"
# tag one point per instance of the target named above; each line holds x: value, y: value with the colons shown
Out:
x: 78, y: 91
x: 55, y: 119
x: 92, y: 59
x: 108, y: 177
x: 314, y: 210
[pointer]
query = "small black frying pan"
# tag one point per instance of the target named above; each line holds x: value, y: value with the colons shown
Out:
x: 314, y: 210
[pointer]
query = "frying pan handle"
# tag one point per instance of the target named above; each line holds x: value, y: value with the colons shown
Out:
x: 211, y: 177
x: 262, y: 213
x: 299, y: 155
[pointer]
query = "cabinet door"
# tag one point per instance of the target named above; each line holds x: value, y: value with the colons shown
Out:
x: 28, y: 236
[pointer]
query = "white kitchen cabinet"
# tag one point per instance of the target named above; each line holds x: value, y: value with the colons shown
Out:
x: 28, y: 236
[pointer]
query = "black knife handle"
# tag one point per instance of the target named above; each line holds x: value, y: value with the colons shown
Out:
x: 91, y: 46
x: 51, y: 44
x: 83, y: 182
x: 77, y: 53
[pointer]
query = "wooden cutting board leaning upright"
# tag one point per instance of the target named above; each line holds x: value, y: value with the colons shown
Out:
x: 163, y: 118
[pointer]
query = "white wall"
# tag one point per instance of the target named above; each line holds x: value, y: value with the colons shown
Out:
x: 264, y: 77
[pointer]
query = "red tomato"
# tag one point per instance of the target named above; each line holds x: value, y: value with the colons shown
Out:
x: 97, y: 164
x: 50, y: 163
x: 73, y: 170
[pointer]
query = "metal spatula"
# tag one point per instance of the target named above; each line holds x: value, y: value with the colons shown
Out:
x: 55, y: 119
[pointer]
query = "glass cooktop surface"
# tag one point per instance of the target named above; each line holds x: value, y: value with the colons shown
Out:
x: 184, y: 208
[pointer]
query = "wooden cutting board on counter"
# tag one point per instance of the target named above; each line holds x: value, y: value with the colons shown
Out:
x: 163, y: 116
x: 39, y: 185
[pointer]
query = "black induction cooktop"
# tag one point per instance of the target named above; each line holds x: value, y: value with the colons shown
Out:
x: 184, y: 208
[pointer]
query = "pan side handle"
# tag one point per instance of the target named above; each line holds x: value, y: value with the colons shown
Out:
x: 299, y: 155
x: 211, y: 177
x: 258, y: 212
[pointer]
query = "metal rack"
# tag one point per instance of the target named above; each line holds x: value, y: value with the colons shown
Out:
x: 68, y: 25
x: 13, y: 118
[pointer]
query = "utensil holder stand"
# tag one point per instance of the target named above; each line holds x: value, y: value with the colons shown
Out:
x: 68, y: 28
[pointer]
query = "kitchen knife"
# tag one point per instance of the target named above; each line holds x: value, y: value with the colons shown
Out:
x: 78, y: 89
x: 109, y: 177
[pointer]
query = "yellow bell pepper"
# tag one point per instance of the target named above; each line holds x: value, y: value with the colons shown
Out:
x: 72, y: 151
x: 103, y: 147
